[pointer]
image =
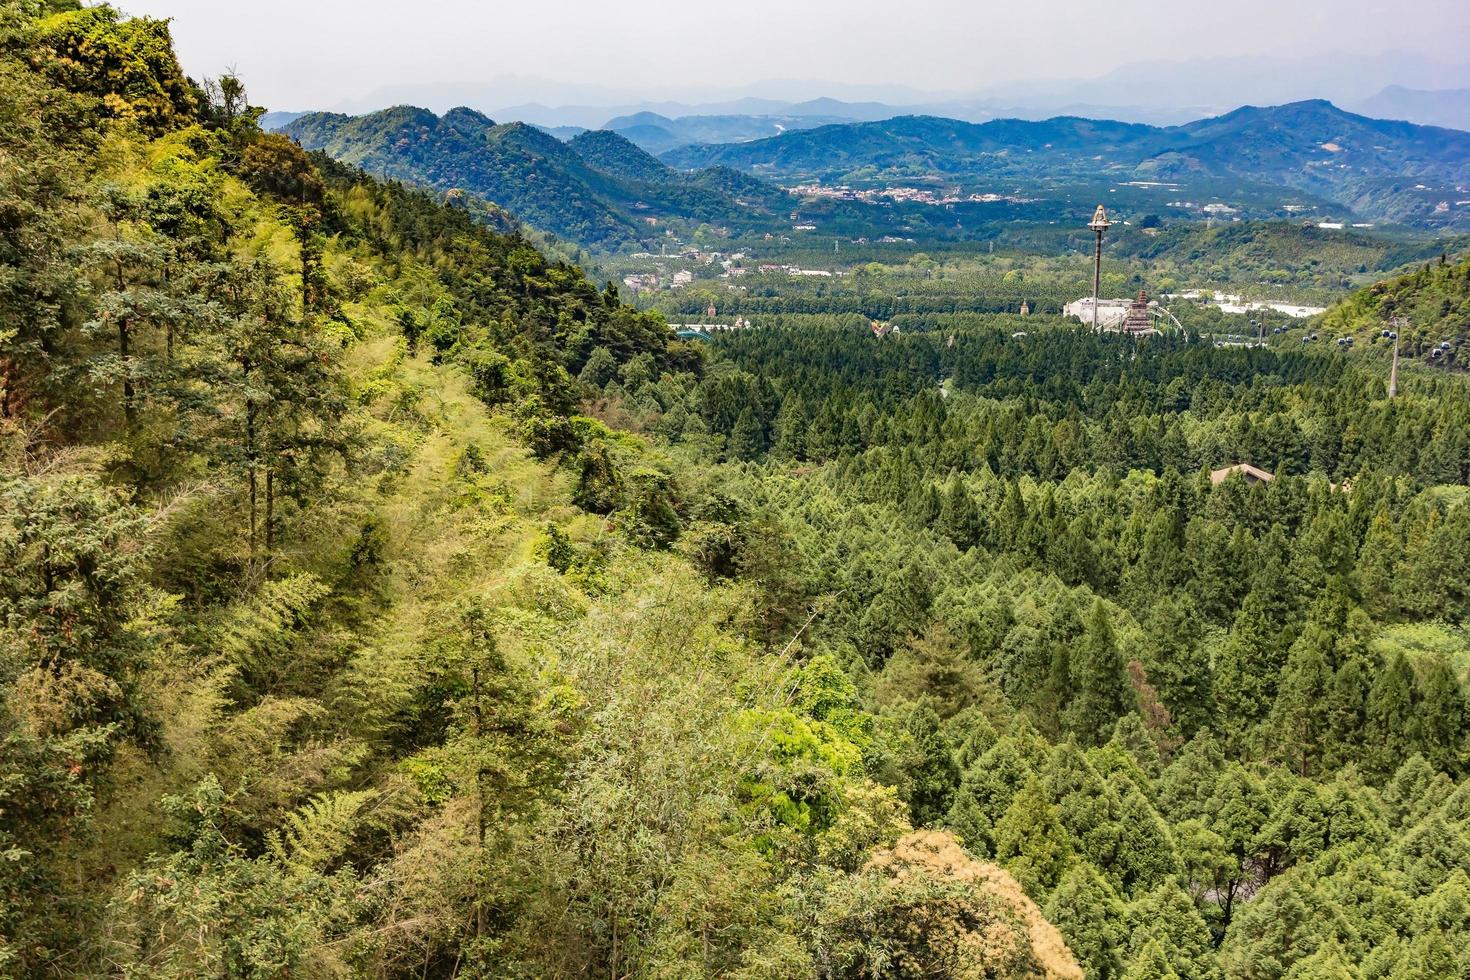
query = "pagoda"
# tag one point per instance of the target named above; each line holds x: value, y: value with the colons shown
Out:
x: 1137, y: 322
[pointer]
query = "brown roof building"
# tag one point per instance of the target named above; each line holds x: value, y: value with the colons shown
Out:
x: 1251, y: 473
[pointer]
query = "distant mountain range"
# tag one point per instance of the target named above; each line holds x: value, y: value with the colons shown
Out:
x: 1388, y: 171
x: 597, y: 189
x: 1159, y: 92
x: 601, y: 189
x: 1446, y: 107
x: 659, y: 134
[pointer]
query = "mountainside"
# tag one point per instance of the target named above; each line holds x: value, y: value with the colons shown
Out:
x: 917, y: 144
x: 617, y: 156
x: 594, y: 189
x: 1379, y: 169
x: 1432, y: 300
x: 524, y: 170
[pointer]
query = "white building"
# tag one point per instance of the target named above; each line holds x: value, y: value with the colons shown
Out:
x: 1110, y: 312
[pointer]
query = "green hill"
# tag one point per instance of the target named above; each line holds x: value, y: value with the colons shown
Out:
x: 1389, y: 171
x: 518, y: 167
x: 614, y: 155
x: 596, y: 190
x: 1434, y: 301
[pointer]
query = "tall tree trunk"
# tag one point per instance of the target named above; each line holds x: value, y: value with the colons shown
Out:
x: 124, y: 335
x: 479, y: 732
x: 250, y: 467
x: 270, y: 510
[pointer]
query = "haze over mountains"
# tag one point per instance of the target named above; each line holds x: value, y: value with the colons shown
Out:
x: 1158, y: 91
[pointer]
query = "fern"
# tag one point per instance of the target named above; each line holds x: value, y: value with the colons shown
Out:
x: 320, y: 832
x: 256, y: 632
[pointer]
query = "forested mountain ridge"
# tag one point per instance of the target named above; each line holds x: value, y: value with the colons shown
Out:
x: 1370, y: 166
x: 615, y: 155
x: 596, y: 190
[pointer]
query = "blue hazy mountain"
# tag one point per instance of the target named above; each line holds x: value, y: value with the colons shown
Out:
x: 658, y: 134
x: 1441, y: 107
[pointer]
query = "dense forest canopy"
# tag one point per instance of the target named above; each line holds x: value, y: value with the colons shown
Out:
x: 383, y: 597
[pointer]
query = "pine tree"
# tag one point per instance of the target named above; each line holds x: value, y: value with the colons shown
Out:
x: 957, y: 516
x: 1390, y: 716
x: 1287, y: 921
x: 1378, y: 561
x: 988, y: 788
x: 1187, y: 785
x: 1167, y: 916
x: 1150, y: 963
x: 1345, y: 708
x: 1098, y: 687
x: 1090, y: 915
x: 1178, y: 663
x: 1237, y: 811
x: 1297, y: 727
x: 276, y: 380
x: 1146, y: 852
x: 1031, y: 842
x: 1440, y: 720
x: 747, y: 441
x: 933, y: 780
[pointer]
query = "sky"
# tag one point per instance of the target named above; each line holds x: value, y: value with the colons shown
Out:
x: 299, y: 54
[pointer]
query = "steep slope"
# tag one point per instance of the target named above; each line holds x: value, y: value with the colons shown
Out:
x: 1434, y: 300
x: 527, y: 171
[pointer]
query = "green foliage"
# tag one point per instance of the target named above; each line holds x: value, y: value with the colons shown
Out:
x: 126, y: 64
x: 334, y: 641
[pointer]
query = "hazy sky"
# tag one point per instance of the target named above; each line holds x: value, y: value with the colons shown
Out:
x: 323, y: 53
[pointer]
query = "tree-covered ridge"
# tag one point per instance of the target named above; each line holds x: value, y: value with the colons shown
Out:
x: 616, y: 155
x: 597, y: 190
x: 1433, y: 302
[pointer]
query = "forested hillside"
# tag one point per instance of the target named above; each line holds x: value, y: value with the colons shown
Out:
x: 332, y: 642
x: 1431, y: 303
x: 597, y: 190
x: 382, y: 598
